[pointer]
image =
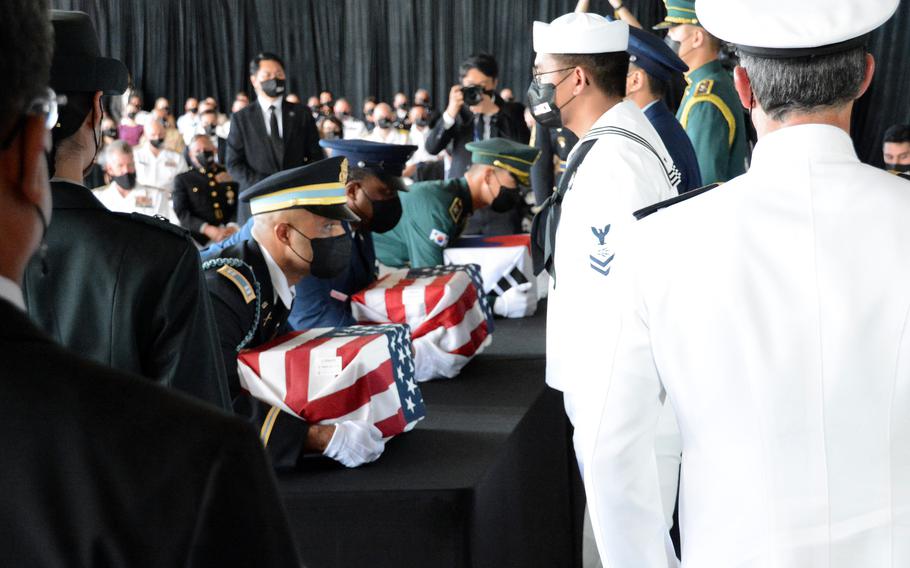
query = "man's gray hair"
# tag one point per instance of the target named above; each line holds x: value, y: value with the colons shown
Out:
x: 805, y: 85
x: 117, y: 147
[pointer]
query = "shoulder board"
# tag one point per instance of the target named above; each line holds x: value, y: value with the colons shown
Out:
x: 228, y: 268
x: 642, y: 213
x: 156, y: 221
x: 704, y: 87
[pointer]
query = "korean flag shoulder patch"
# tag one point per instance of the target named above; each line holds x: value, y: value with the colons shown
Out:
x: 439, y: 238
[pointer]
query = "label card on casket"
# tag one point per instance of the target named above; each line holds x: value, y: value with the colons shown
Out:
x: 324, y: 366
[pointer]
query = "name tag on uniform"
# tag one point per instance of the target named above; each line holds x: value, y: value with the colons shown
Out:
x: 170, y: 163
x: 144, y: 201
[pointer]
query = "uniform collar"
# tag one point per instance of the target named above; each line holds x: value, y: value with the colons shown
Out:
x: 464, y: 192
x: 280, y: 285
x: 794, y: 146
x: 621, y: 115
x: 11, y: 292
x: 705, y: 71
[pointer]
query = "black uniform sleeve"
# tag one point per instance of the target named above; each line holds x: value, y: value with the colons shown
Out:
x: 242, y: 521
x: 542, y: 170
x: 183, y: 343
x: 283, y: 435
x: 183, y: 205
x: 439, y: 137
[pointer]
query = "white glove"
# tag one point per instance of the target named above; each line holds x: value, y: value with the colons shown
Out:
x: 516, y: 302
x: 355, y: 443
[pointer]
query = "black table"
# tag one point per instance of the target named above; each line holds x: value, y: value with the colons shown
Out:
x: 487, y: 479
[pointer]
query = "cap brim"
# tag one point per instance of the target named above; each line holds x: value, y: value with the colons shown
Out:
x: 340, y: 212
x: 665, y: 25
x: 87, y: 74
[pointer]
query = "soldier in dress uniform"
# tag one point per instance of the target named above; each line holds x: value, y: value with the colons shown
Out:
x: 435, y: 212
x: 296, y: 232
x: 710, y: 110
x: 205, y: 198
x: 374, y: 180
x: 772, y: 312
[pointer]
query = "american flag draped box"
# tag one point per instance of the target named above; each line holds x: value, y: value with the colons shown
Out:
x: 330, y: 375
x: 445, y: 307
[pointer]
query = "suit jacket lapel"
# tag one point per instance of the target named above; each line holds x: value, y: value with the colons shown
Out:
x: 258, y: 120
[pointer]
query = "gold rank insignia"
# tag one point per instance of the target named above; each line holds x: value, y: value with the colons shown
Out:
x: 456, y: 209
x: 240, y: 281
x: 704, y: 87
x: 561, y: 141
x: 343, y: 177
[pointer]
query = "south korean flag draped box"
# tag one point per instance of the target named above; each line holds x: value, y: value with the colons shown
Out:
x: 445, y: 307
x: 330, y: 375
x: 505, y: 262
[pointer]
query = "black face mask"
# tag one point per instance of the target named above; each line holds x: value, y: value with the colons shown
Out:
x: 157, y: 142
x: 273, y: 87
x: 131, y: 115
x: 386, y: 214
x: 384, y: 123
x: 192, y: 110
x: 332, y: 135
x: 898, y: 168
x: 209, y: 129
x: 206, y: 159
x: 402, y: 106
x: 673, y: 44
x: 331, y: 255
x: 126, y: 181
x: 507, y: 199
x: 111, y: 133
x: 422, y: 122
x: 542, y: 102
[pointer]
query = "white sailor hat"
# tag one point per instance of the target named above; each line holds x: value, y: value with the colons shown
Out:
x: 580, y: 32
x: 784, y: 28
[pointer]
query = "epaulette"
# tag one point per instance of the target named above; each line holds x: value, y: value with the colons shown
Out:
x: 642, y: 213
x: 159, y: 222
x: 704, y: 87
x: 230, y: 268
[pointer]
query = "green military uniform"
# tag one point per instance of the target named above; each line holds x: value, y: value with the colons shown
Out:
x: 710, y: 113
x: 710, y: 110
x: 434, y: 213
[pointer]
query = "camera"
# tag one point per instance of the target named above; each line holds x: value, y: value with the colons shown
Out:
x: 473, y: 94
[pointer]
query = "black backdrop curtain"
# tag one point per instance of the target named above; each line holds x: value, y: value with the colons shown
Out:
x: 182, y: 48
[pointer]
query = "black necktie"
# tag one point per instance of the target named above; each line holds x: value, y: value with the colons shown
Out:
x: 275, y: 134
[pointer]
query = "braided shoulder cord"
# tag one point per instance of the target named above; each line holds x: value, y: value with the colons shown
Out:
x: 237, y: 263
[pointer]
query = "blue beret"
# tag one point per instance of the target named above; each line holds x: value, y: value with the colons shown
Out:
x: 388, y: 159
x: 649, y: 52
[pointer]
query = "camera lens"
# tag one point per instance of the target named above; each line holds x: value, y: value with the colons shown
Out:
x: 473, y: 95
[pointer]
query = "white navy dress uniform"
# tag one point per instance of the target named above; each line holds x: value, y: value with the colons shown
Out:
x: 774, y: 312
x: 627, y: 168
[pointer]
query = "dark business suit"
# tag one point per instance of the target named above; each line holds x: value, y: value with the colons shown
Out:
x: 235, y: 312
x: 126, y: 290
x: 101, y: 468
x: 678, y: 145
x: 507, y: 123
x: 251, y: 156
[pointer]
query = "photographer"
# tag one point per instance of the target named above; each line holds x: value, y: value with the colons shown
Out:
x: 475, y: 112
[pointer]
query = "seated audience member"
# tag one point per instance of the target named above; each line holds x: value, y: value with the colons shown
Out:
x: 155, y: 165
x: 385, y: 130
x: 129, y: 130
x: 186, y: 124
x: 240, y: 103
x: 100, y: 467
x: 124, y: 194
x: 123, y: 290
x: 173, y: 141
x: 208, y: 126
x: 108, y: 130
x: 369, y: 103
x: 896, y: 150
x: 296, y: 232
x: 353, y: 127
x: 313, y: 104
x: 400, y: 104
x: 134, y: 98
x: 422, y: 98
x: 205, y: 198
x: 212, y: 103
x: 419, y: 117
x: 331, y: 129
x: 326, y: 98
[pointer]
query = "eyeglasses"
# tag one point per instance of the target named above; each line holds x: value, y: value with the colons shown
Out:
x: 536, y: 74
x: 47, y: 105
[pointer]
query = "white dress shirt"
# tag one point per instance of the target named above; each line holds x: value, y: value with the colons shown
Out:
x: 283, y: 291
x: 390, y: 136
x: 11, y: 292
x: 774, y: 312
x: 141, y: 199
x: 265, y: 105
